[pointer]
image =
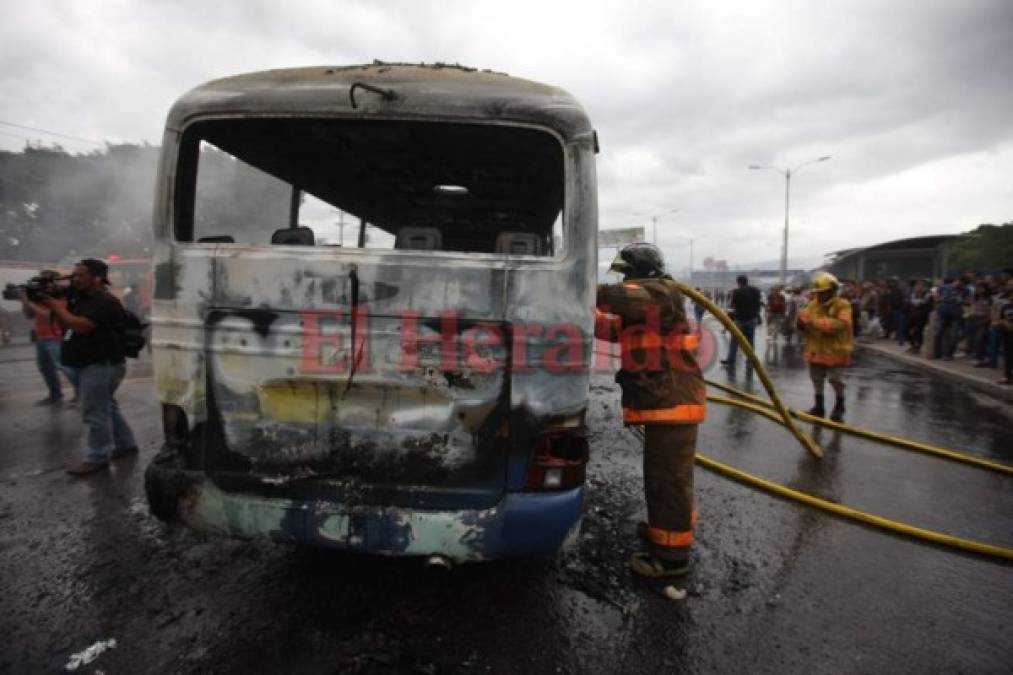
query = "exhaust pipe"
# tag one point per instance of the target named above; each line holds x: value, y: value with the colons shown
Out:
x: 439, y: 562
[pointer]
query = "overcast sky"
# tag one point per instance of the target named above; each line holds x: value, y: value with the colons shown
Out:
x: 914, y: 100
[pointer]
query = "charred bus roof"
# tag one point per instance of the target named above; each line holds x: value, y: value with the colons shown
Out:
x: 403, y: 91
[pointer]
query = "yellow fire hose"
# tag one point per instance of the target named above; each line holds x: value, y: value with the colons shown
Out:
x: 782, y: 410
x: 940, y: 538
x: 757, y: 404
x: 754, y: 407
x: 855, y: 514
x: 778, y: 412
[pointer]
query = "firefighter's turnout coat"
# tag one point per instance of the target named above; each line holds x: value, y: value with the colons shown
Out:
x: 829, y: 333
x: 659, y: 376
x: 663, y: 389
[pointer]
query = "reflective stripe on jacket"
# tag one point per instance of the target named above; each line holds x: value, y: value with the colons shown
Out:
x: 828, y: 332
x: 660, y: 378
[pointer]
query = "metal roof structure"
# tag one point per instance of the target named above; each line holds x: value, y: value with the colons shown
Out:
x: 923, y: 256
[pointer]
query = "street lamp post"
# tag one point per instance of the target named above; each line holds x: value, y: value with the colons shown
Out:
x: 787, y: 196
x: 654, y: 222
x: 654, y: 234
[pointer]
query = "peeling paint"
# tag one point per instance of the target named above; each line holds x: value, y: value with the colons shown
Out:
x: 509, y: 528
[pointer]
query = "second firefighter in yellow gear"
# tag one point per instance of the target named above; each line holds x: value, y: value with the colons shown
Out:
x: 828, y: 328
x: 663, y: 390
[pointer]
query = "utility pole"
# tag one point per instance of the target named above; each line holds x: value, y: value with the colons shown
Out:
x: 787, y: 197
x: 654, y: 222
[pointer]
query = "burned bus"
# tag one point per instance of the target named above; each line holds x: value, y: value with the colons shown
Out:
x: 372, y: 310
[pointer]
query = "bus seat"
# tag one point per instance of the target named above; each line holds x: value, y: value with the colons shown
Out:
x: 419, y: 239
x: 217, y: 239
x: 294, y: 236
x: 519, y: 243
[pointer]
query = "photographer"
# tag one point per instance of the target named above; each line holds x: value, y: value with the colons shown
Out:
x: 47, y: 340
x: 93, y: 356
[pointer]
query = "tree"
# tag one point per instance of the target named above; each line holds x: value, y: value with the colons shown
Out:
x: 54, y: 205
x: 986, y: 248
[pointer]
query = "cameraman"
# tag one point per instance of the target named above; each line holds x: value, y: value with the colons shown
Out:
x: 47, y: 340
x: 93, y: 355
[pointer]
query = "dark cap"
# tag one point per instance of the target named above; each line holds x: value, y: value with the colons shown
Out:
x: 97, y: 267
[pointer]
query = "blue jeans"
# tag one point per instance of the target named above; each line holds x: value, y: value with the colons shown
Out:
x: 748, y: 328
x: 47, y: 358
x: 946, y: 337
x: 107, y: 430
x: 994, y: 345
x: 698, y: 312
x: 900, y: 323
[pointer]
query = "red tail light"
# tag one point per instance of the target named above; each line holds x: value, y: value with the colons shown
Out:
x: 559, y: 460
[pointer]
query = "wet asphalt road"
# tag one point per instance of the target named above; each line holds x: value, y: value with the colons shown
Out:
x: 776, y: 587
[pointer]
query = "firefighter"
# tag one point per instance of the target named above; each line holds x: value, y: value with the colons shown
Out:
x: 827, y: 325
x: 663, y: 390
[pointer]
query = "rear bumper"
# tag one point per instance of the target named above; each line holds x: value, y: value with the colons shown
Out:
x: 521, y: 524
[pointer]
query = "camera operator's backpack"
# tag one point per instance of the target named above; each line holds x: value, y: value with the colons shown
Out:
x: 133, y: 334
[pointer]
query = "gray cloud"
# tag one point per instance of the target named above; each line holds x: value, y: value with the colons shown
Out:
x: 911, y: 98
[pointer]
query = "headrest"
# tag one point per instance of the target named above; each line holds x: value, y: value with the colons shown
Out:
x: 419, y: 239
x: 519, y: 243
x: 294, y: 236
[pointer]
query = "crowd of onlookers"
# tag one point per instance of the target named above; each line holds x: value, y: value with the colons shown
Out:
x: 970, y: 315
x: 965, y: 316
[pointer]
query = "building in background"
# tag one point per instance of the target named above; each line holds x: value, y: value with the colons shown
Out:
x: 915, y: 257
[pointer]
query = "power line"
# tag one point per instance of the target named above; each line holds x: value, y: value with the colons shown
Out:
x: 36, y: 142
x: 52, y: 133
x: 31, y: 139
x: 27, y: 138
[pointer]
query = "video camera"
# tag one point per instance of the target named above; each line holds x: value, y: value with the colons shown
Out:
x: 38, y: 287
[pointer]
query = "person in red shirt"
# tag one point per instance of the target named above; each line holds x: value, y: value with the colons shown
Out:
x: 776, y: 308
x: 48, y: 334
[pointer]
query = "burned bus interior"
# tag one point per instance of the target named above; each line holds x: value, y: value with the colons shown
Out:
x: 472, y: 188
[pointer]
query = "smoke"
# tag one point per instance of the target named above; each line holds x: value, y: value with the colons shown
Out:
x: 56, y: 206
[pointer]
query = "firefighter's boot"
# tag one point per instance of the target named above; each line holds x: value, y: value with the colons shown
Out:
x: 818, y: 410
x: 653, y: 567
x: 837, y: 414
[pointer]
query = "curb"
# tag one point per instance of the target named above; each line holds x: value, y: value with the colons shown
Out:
x: 936, y: 368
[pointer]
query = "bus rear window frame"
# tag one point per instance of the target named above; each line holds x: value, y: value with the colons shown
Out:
x: 185, y: 183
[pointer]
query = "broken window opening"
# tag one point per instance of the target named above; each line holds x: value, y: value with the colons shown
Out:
x: 376, y: 184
